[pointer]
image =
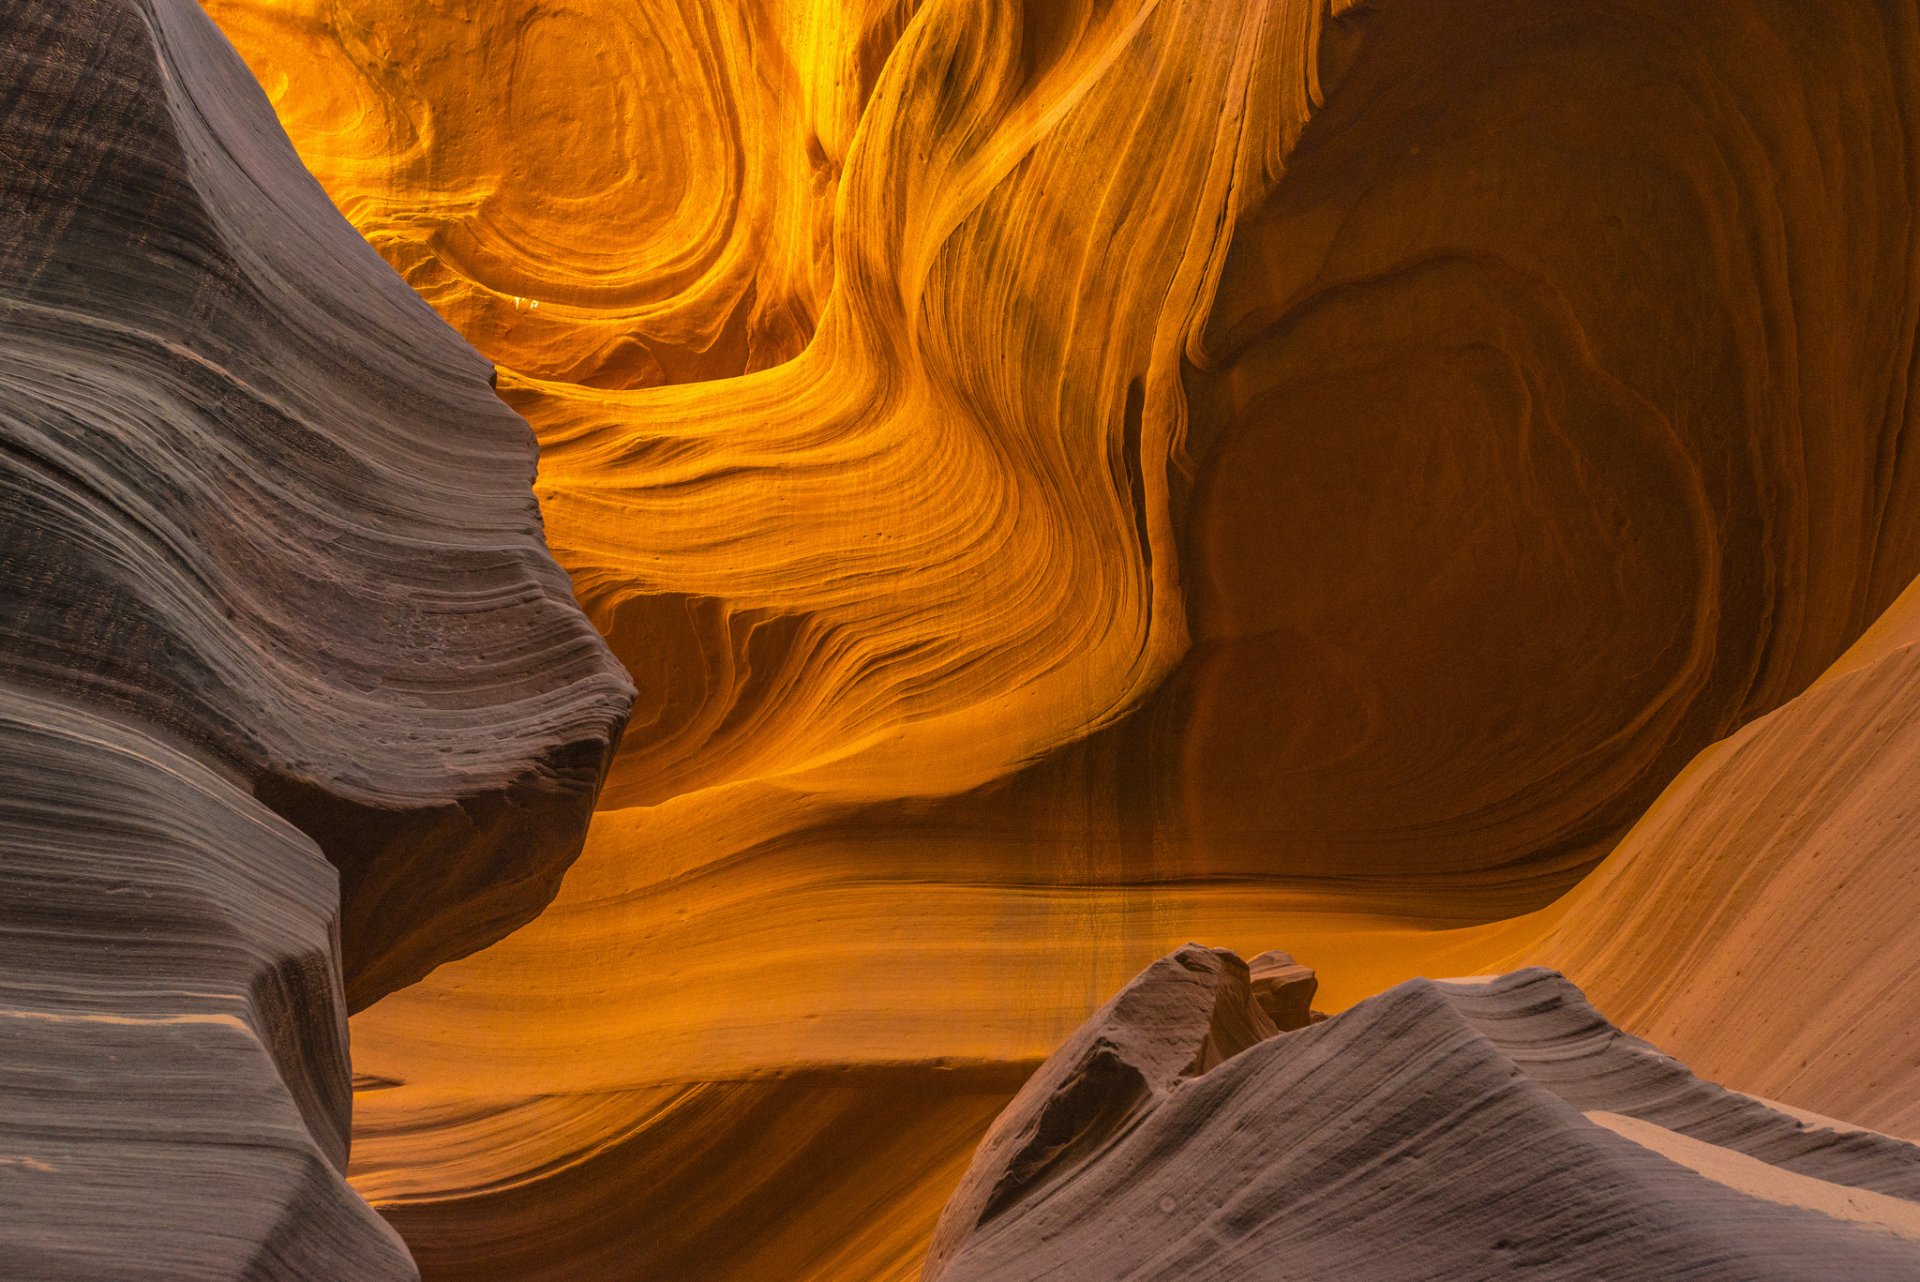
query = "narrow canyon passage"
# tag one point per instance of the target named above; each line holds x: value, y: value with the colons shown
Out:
x: 1426, y: 485
x: 1067, y: 479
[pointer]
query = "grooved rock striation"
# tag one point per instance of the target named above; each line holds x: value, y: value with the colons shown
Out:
x: 257, y: 496
x: 1454, y: 1130
x: 173, y: 1038
x: 294, y: 706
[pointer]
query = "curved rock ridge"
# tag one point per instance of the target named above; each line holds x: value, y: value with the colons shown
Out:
x: 257, y: 496
x: 1453, y: 1130
x: 1262, y: 471
x: 1759, y: 919
x: 173, y: 1036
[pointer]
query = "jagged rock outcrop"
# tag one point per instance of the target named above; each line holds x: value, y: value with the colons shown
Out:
x: 1284, y: 989
x: 293, y: 703
x: 1453, y: 1130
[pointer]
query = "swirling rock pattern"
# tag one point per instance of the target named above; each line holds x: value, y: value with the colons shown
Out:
x: 293, y: 703
x: 614, y: 195
x: 1440, y: 1130
x: 1068, y: 478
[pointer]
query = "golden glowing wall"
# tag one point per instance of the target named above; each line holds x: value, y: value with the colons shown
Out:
x: 1069, y: 477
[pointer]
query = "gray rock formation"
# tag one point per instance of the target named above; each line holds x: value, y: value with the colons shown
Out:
x: 1457, y: 1130
x: 255, y: 494
x: 294, y: 706
x: 173, y: 1067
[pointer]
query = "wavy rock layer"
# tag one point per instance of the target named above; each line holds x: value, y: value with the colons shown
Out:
x: 1452, y: 1130
x: 609, y: 194
x: 266, y: 545
x: 1093, y: 475
x: 258, y: 497
x: 797, y: 1177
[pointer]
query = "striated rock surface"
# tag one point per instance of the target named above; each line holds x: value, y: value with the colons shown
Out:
x: 256, y: 496
x: 173, y: 1037
x: 1448, y: 1130
x: 1068, y: 478
x: 607, y: 193
x: 1065, y: 478
x: 293, y: 703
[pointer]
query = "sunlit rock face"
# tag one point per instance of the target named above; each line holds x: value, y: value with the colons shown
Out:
x: 294, y: 705
x: 612, y: 195
x: 1069, y: 478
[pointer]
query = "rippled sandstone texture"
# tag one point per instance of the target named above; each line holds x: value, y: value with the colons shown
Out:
x: 293, y: 703
x: 1466, y: 1129
x: 1070, y: 478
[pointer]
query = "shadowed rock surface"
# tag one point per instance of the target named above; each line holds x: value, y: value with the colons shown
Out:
x: 173, y: 1043
x: 256, y: 495
x: 293, y: 704
x: 1454, y: 1130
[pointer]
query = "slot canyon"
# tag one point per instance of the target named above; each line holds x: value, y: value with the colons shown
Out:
x: 959, y: 640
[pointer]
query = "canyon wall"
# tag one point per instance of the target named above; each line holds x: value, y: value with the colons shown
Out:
x: 1063, y: 478
x: 294, y: 705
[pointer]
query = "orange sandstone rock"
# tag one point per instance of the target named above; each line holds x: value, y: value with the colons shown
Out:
x: 1067, y: 478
